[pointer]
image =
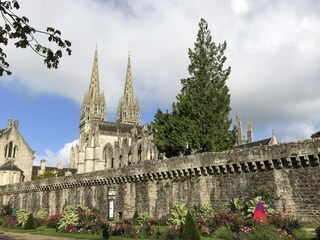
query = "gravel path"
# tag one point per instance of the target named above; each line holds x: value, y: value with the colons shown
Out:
x: 27, y: 236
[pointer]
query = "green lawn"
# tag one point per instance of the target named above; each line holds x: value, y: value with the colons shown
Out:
x: 52, y: 232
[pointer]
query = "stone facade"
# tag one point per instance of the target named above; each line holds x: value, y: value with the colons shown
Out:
x: 107, y: 145
x: 16, y: 157
x: 289, y: 171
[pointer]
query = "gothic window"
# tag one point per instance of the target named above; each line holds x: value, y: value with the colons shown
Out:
x: 10, y: 150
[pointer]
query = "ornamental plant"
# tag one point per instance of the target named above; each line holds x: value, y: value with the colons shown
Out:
x: 69, y: 217
x: 202, y: 212
x: 252, y: 203
x: 53, y: 220
x: 10, y: 222
x: 177, y: 215
x: 142, y: 218
x: 42, y: 216
x: 90, y: 220
x: 22, y: 216
x: 284, y: 221
x: 246, y: 206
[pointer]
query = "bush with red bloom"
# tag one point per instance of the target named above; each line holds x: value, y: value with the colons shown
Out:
x: 70, y: 228
x: 53, y: 221
x: 10, y: 222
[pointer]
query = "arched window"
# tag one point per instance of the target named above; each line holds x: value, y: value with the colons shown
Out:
x: 10, y: 150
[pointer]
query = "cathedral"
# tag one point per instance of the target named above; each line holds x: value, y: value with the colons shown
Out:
x: 105, y: 145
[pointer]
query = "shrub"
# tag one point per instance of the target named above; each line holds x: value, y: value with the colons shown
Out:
x: 146, y: 231
x: 189, y: 230
x: 284, y: 221
x: 247, y: 205
x: 159, y: 221
x: 142, y: 218
x: 70, y: 228
x: 135, y: 216
x: 90, y: 220
x: 172, y: 233
x: 41, y: 217
x: 30, y: 223
x: 10, y: 222
x: 177, y: 215
x: 22, y: 216
x: 261, y: 232
x: 225, y: 233
x: 53, y: 221
x: 118, y: 229
x: 233, y: 221
x: 6, y: 210
x: 130, y: 231
x: 69, y: 217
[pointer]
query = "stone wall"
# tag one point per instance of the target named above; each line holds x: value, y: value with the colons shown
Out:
x: 289, y: 171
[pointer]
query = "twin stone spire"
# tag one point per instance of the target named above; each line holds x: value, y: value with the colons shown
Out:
x: 94, y: 105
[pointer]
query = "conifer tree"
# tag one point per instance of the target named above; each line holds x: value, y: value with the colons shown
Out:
x: 200, y: 117
x: 190, y: 230
x: 30, y: 222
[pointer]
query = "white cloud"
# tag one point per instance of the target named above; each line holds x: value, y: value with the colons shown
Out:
x: 272, y: 49
x: 296, y: 131
x: 52, y: 158
x: 240, y: 6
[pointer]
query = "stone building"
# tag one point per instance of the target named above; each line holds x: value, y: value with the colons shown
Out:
x: 58, y: 171
x: 16, y: 157
x: 105, y: 145
x: 243, y: 141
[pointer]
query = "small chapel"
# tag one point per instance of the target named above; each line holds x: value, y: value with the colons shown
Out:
x: 16, y: 156
x: 106, y: 145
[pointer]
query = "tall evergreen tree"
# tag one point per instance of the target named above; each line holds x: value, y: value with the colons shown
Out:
x: 169, y: 133
x: 203, y: 106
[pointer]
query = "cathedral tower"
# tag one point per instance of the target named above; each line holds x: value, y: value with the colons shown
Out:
x: 93, y: 105
x: 128, y: 109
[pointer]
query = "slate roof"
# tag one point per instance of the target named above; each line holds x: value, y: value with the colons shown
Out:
x: 61, y: 172
x: 10, y: 166
x: 263, y: 142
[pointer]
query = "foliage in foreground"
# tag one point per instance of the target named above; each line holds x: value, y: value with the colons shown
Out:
x: 183, y: 225
x: 18, y: 29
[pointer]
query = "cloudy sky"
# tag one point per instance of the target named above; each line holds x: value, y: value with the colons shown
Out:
x: 272, y: 49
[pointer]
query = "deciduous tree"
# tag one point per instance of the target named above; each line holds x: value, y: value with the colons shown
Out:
x: 18, y: 29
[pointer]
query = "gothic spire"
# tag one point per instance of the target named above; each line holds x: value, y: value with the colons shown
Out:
x: 128, y: 90
x: 94, y: 87
x: 93, y: 105
x: 128, y: 109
